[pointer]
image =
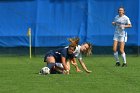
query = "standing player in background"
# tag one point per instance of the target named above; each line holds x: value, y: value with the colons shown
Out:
x: 121, y: 22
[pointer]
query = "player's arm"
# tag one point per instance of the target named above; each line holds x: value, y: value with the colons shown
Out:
x: 125, y: 26
x: 128, y: 26
x: 84, y: 66
x: 114, y: 23
x: 74, y: 63
x: 64, y: 65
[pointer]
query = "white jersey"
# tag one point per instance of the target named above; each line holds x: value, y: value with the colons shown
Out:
x: 77, y: 52
x: 120, y: 22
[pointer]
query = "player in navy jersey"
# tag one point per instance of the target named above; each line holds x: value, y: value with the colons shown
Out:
x: 57, y: 56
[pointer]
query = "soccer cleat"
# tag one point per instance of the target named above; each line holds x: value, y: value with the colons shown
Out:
x: 124, y: 65
x: 118, y: 64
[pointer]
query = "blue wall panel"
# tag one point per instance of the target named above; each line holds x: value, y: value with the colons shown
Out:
x: 53, y: 21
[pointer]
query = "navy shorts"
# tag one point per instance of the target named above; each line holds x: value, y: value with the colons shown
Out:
x: 48, y: 54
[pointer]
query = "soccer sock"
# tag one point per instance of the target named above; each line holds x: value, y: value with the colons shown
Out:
x: 124, y: 58
x: 53, y: 71
x: 116, y: 56
x: 50, y: 65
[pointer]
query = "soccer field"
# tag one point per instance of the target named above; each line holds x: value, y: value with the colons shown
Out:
x: 20, y: 75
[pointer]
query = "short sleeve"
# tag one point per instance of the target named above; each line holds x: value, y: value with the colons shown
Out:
x: 115, y: 18
x: 128, y: 21
x: 64, y: 52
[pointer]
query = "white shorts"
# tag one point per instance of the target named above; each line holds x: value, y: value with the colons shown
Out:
x: 120, y: 38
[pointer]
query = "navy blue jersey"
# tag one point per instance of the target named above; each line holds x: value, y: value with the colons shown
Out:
x: 58, y: 54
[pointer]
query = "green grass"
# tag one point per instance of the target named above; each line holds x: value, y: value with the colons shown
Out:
x: 20, y: 75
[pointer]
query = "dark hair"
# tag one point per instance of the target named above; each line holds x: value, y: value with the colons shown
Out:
x: 122, y: 8
x: 72, y: 46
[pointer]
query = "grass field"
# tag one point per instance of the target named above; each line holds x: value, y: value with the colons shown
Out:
x: 20, y: 75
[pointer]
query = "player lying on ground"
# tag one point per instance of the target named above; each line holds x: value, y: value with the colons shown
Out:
x: 59, y: 56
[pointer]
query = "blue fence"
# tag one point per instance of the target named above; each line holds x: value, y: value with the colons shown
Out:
x: 53, y: 21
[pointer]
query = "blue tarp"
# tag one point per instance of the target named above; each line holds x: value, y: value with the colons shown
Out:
x: 53, y: 21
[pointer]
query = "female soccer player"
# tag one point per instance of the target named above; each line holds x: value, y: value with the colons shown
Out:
x: 121, y: 22
x: 86, y: 49
x: 59, y: 56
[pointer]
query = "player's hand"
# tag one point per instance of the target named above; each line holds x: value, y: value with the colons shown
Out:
x: 66, y: 72
x: 88, y: 71
x: 79, y: 70
x: 113, y: 23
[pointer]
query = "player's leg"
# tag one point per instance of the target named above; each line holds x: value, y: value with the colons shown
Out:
x: 59, y: 68
x: 50, y: 60
x: 115, y: 45
x: 122, y: 45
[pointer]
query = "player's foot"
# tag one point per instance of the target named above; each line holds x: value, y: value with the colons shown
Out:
x: 118, y: 64
x: 88, y: 71
x: 124, y: 65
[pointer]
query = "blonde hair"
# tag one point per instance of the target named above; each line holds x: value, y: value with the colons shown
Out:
x: 74, y: 42
x: 89, y: 49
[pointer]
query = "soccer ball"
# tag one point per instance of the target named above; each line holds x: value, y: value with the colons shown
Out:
x: 45, y: 71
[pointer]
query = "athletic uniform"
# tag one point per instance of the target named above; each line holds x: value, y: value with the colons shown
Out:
x: 77, y: 52
x: 58, y: 53
x: 120, y: 34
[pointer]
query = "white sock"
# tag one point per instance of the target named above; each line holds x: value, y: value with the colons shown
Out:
x: 116, y: 56
x: 124, y: 58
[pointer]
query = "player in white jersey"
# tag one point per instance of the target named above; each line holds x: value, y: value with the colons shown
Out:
x: 86, y: 49
x: 120, y: 35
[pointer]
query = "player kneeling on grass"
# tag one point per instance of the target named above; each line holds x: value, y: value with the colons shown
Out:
x: 59, y: 56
